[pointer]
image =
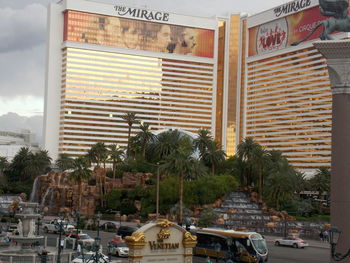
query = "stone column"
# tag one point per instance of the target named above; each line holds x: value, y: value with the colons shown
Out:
x: 337, y: 54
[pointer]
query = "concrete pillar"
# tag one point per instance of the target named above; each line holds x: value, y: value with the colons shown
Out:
x: 337, y: 54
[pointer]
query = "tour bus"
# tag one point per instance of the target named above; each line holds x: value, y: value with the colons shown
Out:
x: 231, y: 245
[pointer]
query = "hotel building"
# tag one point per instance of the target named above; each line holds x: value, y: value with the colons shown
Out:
x: 106, y: 60
x: 285, y: 101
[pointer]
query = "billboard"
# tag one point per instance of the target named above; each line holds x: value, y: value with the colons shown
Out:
x: 282, y: 32
x: 136, y: 34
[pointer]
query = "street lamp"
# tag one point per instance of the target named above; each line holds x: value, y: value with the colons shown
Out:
x: 76, y: 217
x: 334, y: 234
x: 157, y: 197
x: 60, y: 225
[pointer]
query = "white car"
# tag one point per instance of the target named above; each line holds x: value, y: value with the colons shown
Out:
x: 81, y: 238
x: 291, y: 241
x: 118, y: 248
x: 88, y: 257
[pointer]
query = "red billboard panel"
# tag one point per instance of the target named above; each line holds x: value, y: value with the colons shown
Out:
x: 281, y: 33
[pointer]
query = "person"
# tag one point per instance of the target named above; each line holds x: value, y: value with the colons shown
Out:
x: 187, y: 42
x: 159, y: 38
x: 208, y: 260
x: 131, y: 34
x: 321, y: 235
x: 325, y: 236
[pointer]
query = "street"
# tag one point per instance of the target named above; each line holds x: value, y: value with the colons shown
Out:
x: 276, y: 254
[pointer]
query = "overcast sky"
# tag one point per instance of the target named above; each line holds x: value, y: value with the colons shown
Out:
x: 23, y: 44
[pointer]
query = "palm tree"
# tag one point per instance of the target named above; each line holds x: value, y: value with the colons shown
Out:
x: 260, y: 160
x: 98, y: 154
x: 41, y: 162
x: 64, y: 162
x: 144, y: 137
x: 321, y: 181
x: 165, y: 143
x: 245, y: 151
x: 80, y: 173
x: 130, y: 119
x: 181, y: 163
x: 4, y: 164
x: 203, y: 140
x: 116, y: 156
x: 213, y: 155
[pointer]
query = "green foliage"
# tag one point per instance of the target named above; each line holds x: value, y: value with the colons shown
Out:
x: 207, y: 217
x: 64, y: 162
x: 207, y: 190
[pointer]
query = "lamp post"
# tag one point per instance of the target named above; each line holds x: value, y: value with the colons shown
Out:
x: 334, y: 234
x: 157, y: 197
x: 76, y: 217
x: 60, y: 225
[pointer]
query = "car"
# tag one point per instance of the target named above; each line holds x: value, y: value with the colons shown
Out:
x: 109, y: 226
x: 124, y: 231
x: 111, y: 211
x: 295, y: 242
x: 82, y: 238
x: 88, y: 257
x: 117, y: 248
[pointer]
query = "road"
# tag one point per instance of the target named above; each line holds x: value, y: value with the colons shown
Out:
x: 276, y: 254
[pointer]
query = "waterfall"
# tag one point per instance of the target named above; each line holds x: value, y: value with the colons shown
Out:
x: 48, y: 191
x: 34, y: 196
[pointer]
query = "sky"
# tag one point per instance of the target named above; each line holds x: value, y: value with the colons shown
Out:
x: 23, y: 48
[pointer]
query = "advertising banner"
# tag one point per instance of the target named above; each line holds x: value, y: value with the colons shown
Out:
x: 137, y: 34
x: 281, y: 33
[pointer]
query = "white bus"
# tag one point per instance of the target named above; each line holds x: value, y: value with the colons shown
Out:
x: 231, y: 245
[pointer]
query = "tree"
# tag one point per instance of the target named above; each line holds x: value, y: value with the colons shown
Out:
x: 321, y: 181
x: 81, y: 171
x: 98, y: 154
x: 144, y: 137
x: 245, y: 152
x: 202, y: 141
x: 165, y: 143
x: 260, y: 160
x: 180, y: 163
x: 213, y: 155
x: 116, y: 156
x: 130, y: 119
x: 64, y: 162
x: 27, y: 165
x: 282, y: 183
x: 4, y: 164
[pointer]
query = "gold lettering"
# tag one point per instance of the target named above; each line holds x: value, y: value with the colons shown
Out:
x: 160, y: 245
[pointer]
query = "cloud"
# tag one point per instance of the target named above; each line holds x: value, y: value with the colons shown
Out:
x: 22, y: 28
x: 13, y: 122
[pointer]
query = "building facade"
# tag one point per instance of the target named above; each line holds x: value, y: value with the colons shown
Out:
x: 12, y: 141
x: 285, y: 97
x: 107, y: 60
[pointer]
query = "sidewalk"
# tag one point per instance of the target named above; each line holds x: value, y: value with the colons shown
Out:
x: 311, y: 242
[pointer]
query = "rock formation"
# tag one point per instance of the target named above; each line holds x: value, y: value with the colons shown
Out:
x: 56, y: 190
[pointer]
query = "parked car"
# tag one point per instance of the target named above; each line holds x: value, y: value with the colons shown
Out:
x: 81, y: 238
x: 88, y: 257
x: 117, y: 248
x: 109, y: 226
x: 53, y: 227
x: 124, y: 231
x: 111, y: 211
x: 291, y: 241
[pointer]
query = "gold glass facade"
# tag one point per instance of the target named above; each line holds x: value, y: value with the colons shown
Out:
x: 288, y: 106
x: 232, y: 85
x: 98, y: 87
